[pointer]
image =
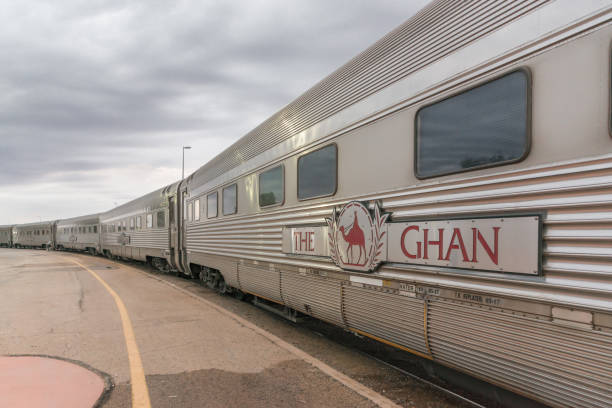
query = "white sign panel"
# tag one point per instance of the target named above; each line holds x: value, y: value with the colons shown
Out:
x: 492, y: 244
x: 306, y: 241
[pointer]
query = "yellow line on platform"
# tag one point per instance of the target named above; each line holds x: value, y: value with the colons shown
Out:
x: 140, y: 392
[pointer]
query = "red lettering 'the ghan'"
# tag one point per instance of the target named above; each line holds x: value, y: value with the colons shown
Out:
x: 431, y: 244
x: 304, y: 241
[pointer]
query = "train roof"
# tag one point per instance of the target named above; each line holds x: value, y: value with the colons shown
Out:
x: 439, y: 29
x: 34, y: 224
x: 150, y: 201
x: 81, y: 219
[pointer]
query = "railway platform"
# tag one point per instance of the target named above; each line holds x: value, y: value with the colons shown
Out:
x: 162, y: 341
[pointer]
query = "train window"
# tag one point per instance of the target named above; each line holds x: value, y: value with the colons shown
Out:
x: 229, y: 200
x: 271, y: 187
x: 95, y: 229
x: 196, y: 210
x: 89, y: 229
x: 161, y: 219
x: 138, y: 222
x: 132, y: 223
x: 149, y: 220
x: 190, y: 212
x: 481, y: 127
x: 123, y: 226
x: 211, y: 204
x: 317, y: 173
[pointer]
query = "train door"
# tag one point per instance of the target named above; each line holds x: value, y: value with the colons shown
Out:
x: 181, y: 236
x: 172, y: 232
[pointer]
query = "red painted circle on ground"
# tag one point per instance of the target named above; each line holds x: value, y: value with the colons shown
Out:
x: 32, y: 382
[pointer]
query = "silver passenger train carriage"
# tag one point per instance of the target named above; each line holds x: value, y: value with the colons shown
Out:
x: 79, y: 233
x: 144, y: 229
x: 448, y: 192
x: 34, y: 235
x: 6, y: 236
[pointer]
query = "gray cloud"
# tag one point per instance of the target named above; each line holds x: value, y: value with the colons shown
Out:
x: 99, y: 87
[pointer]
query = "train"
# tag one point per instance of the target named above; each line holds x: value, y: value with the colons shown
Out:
x: 448, y: 192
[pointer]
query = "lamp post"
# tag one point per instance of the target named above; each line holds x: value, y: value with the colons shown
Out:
x: 184, y: 148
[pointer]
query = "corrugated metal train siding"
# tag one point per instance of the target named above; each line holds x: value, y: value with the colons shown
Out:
x: 317, y: 296
x: 263, y: 282
x: 148, y: 238
x: 398, y: 319
x: 438, y: 30
x: 565, y: 365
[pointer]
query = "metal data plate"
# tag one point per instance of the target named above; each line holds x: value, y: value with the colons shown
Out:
x: 509, y: 244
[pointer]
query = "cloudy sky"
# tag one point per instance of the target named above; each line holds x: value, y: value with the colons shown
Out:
x: 97, y: 97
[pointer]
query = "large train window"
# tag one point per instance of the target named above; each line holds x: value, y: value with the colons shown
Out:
x: 317, y: 173
x: 149, y: 220
x: 230, y: 205
x: 481, y: 127
x: 271, y: 187
x: 161, y: 219
x: 211, y: 205
x: 190, y: 212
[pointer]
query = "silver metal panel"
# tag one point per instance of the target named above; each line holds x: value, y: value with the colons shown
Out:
x: 395, y: 318
x: 317, y: 296
x: 261, y: 282
x: 156, y: 238
x: 560, y: 365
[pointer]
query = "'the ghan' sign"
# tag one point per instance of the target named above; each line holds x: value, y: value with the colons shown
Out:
x: 494, y: 244
x: 359, y: 239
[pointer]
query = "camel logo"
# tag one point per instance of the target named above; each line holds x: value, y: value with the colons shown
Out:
x: 356, y: 237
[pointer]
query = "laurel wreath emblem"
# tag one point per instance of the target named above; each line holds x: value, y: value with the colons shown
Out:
x: 378, y: 244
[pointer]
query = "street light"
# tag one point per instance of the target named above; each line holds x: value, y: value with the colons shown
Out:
x: 184, y: 148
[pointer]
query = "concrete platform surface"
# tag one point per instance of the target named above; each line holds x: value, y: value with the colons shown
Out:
x: 195, y: 349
